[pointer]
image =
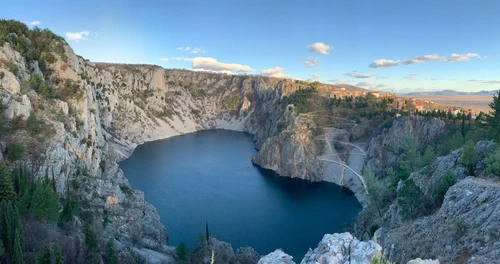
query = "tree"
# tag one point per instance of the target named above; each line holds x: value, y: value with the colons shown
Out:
x: 411, y: 200
x: 92, y: 250
x: 17, y: 256
x: 410, y: 156
x: 181, y: 251
x: 494, y: 118
x: 207, y: 235
x: 110, y: 256
x: 45, y: 203
x: 493, y: 164
x: 442, y: 187
x: 469, y: 157
x: 6, y: 186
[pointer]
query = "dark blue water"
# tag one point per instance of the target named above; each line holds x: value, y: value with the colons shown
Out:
x: 208, y: 175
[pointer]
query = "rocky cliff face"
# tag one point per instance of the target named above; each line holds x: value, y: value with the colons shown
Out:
x: 103, y: 111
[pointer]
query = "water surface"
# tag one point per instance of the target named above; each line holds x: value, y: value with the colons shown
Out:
x: 208, y: 176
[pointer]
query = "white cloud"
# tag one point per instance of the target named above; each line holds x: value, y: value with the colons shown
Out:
x: 77, y: 36
x: 192, y: 50
x: 311, y: 62
x: 313, y: 78
x: 274, y: 72
x: 211, y: 64
x: 358, y: 75
x: 424, y: 58
x: 320, y: 48
x: 384, y: 63
x: 462, y: 57
x: 197, y: 50
x: 410, y: 76
x: 223, y: 71
x: 34, y: 23
x: 176, y: 59
x: 486, y: 81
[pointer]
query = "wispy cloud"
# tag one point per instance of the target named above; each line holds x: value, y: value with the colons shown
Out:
x: 35, y: 23
x: 411, y: 76
x: 311, y: 62
x: 313, y: 78
x: 359, y: 75
x: 77, y: 36
x: 192, y: 50
x: 455, y: 57
x: 384, y: 63
x: 208, y: 63
x: 277, y: 72
x: 176, y: 59
x: 424, y: 58
x: 485, y: 81
x: 320, y: 48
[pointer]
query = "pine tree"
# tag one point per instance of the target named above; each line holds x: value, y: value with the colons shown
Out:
x: 17, y: 256
x: 7, y: 192
x: 207, y: 234
x: 45, y: 203
x: 2, y: 249
x: 46, y: 256
x: 56, y: 252
x: 110, y: 256
x: 494, y: 118
x: 469, y: 157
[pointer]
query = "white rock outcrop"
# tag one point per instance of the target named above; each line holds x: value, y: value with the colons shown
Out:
x: 342, y: 248
x: 276, y: 257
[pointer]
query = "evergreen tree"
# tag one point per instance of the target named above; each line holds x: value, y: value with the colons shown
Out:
x: 110, y: 256
x: 494, y: 118
x: 56, y: 252
x: 68, y: 209
x: 17, y: 256
x: 2, y: 249
x: 9, y: 226
x: 46, y: 256
x: 410, y: 156
x: 207, y: 234
x: 45, y: 203
x: 91, y: 241
x: 469, y: 157
x: 7, y: 192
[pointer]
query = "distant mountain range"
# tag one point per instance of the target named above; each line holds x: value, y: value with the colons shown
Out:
x: 448, y: 93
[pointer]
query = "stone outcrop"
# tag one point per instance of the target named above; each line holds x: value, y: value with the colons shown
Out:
x: 276, y: 257
x: 342, y: 248
x: 465, y: 229
x: 215, y: 252
x: 384, y: 150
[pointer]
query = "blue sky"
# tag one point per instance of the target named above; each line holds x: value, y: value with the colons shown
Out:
x: 382, y: 45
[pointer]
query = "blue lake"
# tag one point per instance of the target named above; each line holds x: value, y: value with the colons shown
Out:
x: 208, y: 176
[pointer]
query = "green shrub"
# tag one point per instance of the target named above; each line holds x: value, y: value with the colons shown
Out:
x: 49, y: 57
x: 13, y: 68
x: 493, y: 164
x: 2, y: 74
x: 412, y: 201
x: 469, y: 157
x: 182, y: 251
x: 460, y: 228
x: 442, y: 187
x: 15, y: 152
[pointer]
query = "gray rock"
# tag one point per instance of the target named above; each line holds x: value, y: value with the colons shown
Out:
x: 218, y: 251
x: 342, y: 248
x: 276, y: 257
x: 247, y: 255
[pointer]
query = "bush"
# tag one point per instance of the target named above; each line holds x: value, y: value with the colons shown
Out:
x: 469, y: 157
x: 181, y: 251
x: 13, y: 68
x: 411, y: 200
x: 493, y: 164
x: 15, y: 152
x: 460, y: 228
x: 442, y: 187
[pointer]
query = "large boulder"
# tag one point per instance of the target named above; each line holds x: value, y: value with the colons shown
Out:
x: 342, y: 248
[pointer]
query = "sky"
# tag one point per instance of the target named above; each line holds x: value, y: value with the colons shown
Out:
x: 388, y: 45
